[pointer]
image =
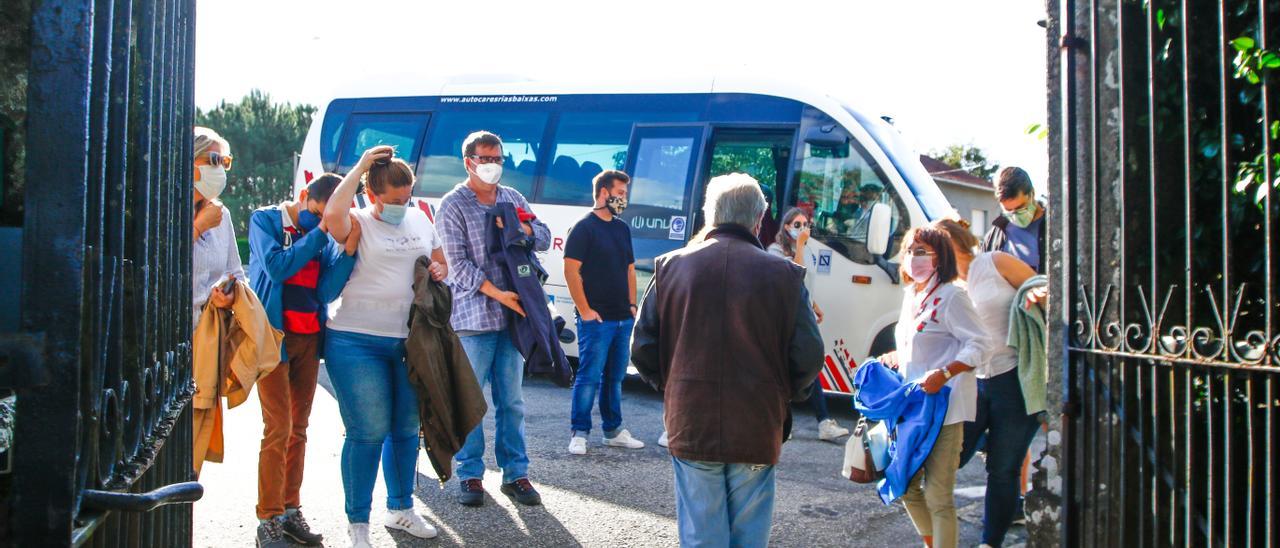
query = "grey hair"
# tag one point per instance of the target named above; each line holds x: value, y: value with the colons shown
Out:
x: 735, y: 198
x: 204, y: 139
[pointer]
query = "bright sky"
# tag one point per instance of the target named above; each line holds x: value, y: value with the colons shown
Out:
x: 946, y: 71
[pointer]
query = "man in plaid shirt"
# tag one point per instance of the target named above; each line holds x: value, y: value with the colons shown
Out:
x: 479, y: 295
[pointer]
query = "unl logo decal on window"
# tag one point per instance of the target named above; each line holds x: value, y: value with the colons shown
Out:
x: 824, y: 261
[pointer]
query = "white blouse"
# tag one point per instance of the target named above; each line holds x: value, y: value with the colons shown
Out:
x: 938, y: 326
x: 214, y: 255
x: 992, y: 297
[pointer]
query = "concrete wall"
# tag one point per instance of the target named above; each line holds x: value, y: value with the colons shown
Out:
x: 966, y: 199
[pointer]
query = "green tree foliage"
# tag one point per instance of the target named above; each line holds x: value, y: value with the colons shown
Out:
x: 264, y: 137
x: 969, y: 158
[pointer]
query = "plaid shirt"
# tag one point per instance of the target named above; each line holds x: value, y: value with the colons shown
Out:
x: 460, y: 221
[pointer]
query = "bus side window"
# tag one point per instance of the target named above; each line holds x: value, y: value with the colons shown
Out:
x: 587, y: 143
x: 442, y: 168
x: 401, y: 131
x: 839, y: 184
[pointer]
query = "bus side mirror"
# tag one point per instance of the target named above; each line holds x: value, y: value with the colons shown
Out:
x: 878, y: 232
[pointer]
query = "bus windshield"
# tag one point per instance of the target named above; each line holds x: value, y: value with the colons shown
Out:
x: 905, y: 160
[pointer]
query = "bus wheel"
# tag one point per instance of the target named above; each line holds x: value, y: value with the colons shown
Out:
x: 884, y: 341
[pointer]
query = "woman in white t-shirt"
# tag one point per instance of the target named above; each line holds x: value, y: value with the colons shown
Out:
x: 364, y: 341
x: 940, y: 342
x: 993, y: 280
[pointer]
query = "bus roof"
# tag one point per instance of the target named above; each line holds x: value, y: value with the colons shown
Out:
x: 902, y: 157
x: 399, y: 86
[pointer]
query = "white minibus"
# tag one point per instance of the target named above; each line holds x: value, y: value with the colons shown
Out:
x: 861, y: 181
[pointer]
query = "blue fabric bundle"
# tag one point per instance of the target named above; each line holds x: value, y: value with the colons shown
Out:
x: 914, y: 419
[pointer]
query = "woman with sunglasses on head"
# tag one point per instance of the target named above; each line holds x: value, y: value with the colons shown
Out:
x: 790, y: 244
x: 214, y: 252
x: 940, y: 341
x: 365, y: 338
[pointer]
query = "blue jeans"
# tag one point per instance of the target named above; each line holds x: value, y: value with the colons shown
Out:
x: 1002, y: 417
x: 818, y: 401
x: 498, y: 364
x: 721, y: 504
x: 604, y: 350
x: 380, y: 412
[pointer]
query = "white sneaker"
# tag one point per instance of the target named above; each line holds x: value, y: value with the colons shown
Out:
x: 410, y: 522
x: 828, y: 430
x: 359, y: 535
x: 662, y: 440
x: 578, y: 445
x: 624, y: 439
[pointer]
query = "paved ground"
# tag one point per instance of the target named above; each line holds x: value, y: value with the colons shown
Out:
x: 610, y: 497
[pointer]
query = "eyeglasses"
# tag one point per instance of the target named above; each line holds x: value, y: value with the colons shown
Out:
x: 487, y: 159
x: 218, y: 158
x: 921, y: 252
x: 798, y: 224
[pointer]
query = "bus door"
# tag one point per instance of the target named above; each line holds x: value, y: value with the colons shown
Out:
x: 663, y: 162
x: 762, y: 153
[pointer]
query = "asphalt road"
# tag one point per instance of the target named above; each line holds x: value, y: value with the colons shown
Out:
x: 609, y: 497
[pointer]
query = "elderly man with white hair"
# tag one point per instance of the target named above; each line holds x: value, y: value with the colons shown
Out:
x: 726, y: 332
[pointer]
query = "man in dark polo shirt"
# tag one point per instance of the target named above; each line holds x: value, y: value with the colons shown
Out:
x: 600, y: 269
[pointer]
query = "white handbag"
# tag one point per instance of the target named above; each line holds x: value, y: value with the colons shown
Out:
x: 866, y: 454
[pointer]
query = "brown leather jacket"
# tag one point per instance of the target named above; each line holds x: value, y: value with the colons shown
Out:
x: 450, y: 403
x: 726, y: 332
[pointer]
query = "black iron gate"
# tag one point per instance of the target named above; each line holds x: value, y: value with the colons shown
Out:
x: 1166, y: 216
x: 102, y: 370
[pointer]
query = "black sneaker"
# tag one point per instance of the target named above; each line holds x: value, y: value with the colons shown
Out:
x: 295, y: 527
x: 472, y: 493
x: 523, y: 492
x: 271, y: 534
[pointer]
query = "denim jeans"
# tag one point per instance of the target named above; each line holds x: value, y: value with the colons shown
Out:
x: 604, y: 350
x: 1002, y: 417
x: 498, y: 364
x: 818, y: 401
x: 379, y: 409
x: 721, y: 504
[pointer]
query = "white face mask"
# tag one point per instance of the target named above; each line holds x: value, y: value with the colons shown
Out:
x: 213, y: 180
x: 489, y: 173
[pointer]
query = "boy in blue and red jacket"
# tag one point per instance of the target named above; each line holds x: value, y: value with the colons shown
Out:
x: 296, y: 270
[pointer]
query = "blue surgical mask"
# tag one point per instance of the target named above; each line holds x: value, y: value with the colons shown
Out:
x: 795, y: 233
x: 307, y: 220
x: 393, y: 214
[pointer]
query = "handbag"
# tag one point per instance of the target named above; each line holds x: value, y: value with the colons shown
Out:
x: 866, y: 453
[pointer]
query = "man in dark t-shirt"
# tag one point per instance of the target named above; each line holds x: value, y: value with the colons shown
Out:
x: 599, y: 267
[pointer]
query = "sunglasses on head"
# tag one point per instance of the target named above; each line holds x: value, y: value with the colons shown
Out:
x: 219, y: 159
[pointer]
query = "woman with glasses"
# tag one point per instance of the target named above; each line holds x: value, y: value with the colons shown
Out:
x: 213, y: 252
x: 940, y: 341
x: 790, y: 244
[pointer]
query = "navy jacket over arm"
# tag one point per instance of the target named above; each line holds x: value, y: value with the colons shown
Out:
x: 534, y: 334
